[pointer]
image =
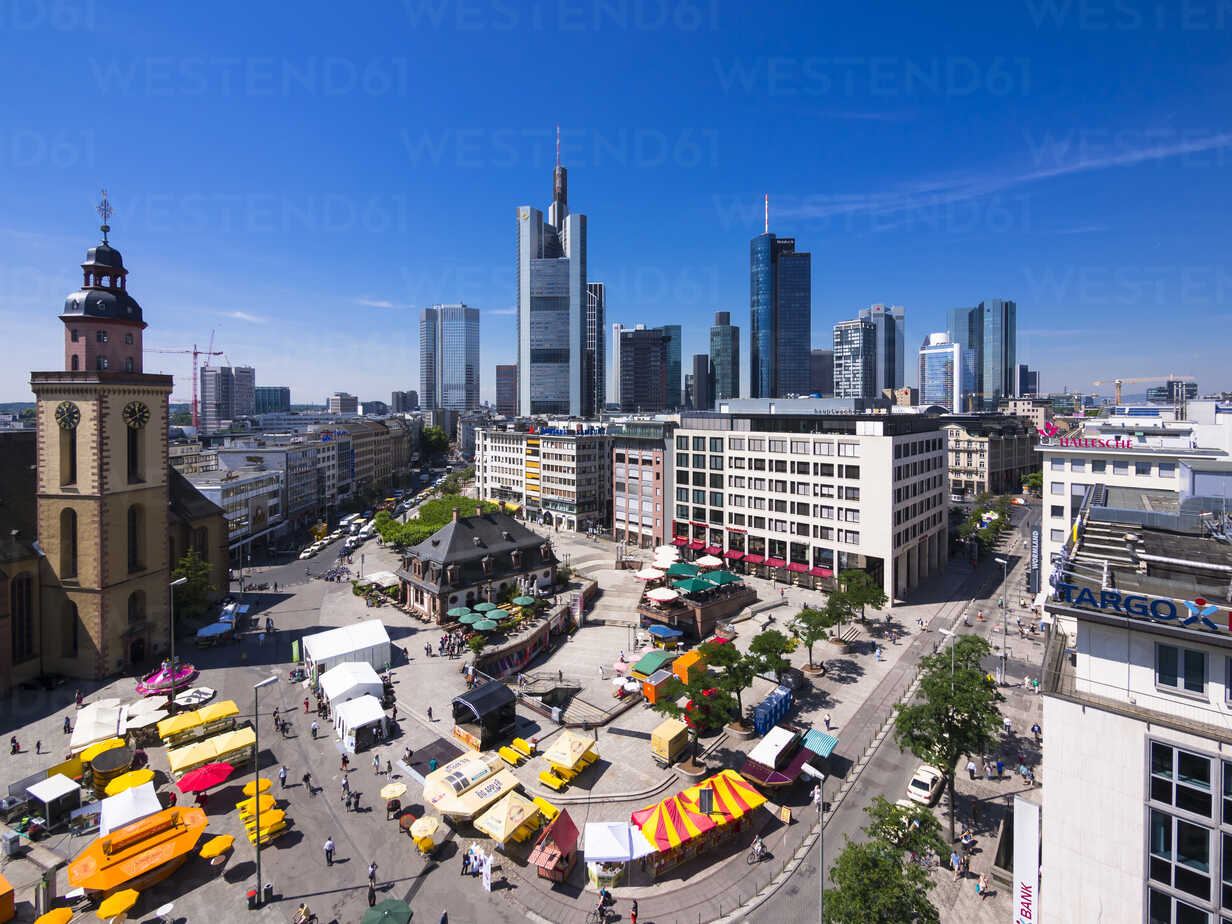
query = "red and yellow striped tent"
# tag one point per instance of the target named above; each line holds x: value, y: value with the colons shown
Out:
x: 734, y: 797
x: 670, y: 823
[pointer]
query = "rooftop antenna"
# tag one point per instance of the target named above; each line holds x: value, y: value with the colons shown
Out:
x: 767, y: 213
x: 105, y: 211
x: 558, y: 144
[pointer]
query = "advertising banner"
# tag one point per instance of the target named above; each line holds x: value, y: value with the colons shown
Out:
x: 1033, y: 576
x: 1025, y: 897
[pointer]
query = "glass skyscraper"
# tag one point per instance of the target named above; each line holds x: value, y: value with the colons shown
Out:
x: 594, y: 397
x: 449, y: 357
x: 990, y: 332
x: 673, y: 364
x: 941, y: 369
x: 724, y: 357
x: 780, y: 315
x: 855, y: 356
x: 890, y: 325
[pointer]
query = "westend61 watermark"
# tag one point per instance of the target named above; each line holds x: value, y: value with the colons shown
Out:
x: 1131, y: 15
x: 65, y: 149
x: 877, y: 213
x: 1162, y: 146
x: 55, y: 15
x: 564, y: 15
x: 478, y: 148
x: 879, y: 76
x: 267, y: 213
x: 1169, y: 285
x: 170, y: 75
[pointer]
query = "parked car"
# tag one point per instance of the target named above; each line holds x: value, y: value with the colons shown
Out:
x: 925, y: 785
x: 307, y: 553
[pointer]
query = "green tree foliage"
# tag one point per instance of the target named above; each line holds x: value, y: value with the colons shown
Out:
x: 862, y: 590
x: 181, y: 419
x: 192, y: 598
x: 873, y: 886
x: 432, y: 516
x: 477, y: 643
x: 698, y: 710
x: 453, y: 484
x: 912, y: 828
x: 1034, y: 482
x: 768, y: 652
x: 435, y: 441
x: 812, y: 626
x: 955, y: 711
x: 736, y: 670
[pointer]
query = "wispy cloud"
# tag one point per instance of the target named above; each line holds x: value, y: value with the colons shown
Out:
x: 378, y: 303
x: 245, y: 316
x: 505, y: 311
x: 1056, y: 332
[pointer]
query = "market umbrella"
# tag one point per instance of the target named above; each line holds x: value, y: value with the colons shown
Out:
x: 470, y: 619
x: 485, y: 625
x: 204, y: 778
x: 718, y: 578
x: 683, y: 570
x: 457, y: 612
x: 709, y: 561
x: 648, y: 574
x: 523, y: 601
x: 692, y: 585
x: 56, y: 916
x: 484, y: 607
x: 662, y: 594
x: 261, y: 785
x: 393, y: 790
x: 118, y: 903
x: 88, y: 755
x: 216, y: 846
x: 249, y: 805
x: 424, y: 827
x: 129, y: 780
x: 390, y: 911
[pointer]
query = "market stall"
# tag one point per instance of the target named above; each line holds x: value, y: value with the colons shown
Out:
x: 350, y: 680
x: 364, y: 641
x: 555, y: 851
x: 689, y: 665
x: 650, y: 662
x: 235, y: 748
x: 95, y: 722
x: 778, y: 759
x: 485, y: 716
x: 360, y: 723
x: 467, y: 785
x: 668, y: 741
x: 56, y: 797
x: 609, y: 847
x: 571, y: 753
x: 129, y: 806
x: 513, y: 818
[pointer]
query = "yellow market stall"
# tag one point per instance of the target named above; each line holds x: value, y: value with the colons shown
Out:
x: 512, y: 818
x: 467, y: 785
x: 668, y: 741
x: 235, y: 748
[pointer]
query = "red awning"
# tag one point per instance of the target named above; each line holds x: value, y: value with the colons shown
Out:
x: 754, y: 559
x: 796, y: 566
x: 775, y: 562
x: 733, y: 554
x: 680, y: 540
x: 714, y: 550
x: 821, y: 572
x: 697, y: 546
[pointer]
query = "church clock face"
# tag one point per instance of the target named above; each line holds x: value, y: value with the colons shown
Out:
x: 136, y: 415
x: 68, y: 415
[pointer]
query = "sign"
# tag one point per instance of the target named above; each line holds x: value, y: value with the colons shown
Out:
x: 1197, y: 613
x: 1026, y: 862
x: 487, y: 873
x: 466, y: 737
x: 1033, y: 576
x: 1049, y: 435
x: 785, y: 814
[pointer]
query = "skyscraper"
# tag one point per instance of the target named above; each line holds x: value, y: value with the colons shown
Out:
x: 270, y: 399
x: 724, y: 358
x: 643, y: 370
x: 780, y: 314
x: 941, y: 368
x: 1028, y: 381
x: 507, y: 390
x: 674, y: 358
x: 404, y: 401
x: 595, y: 394
x: 449, y: 357
x: 227, y: 393
x: 990, y: 332
x: 552, y: 305
x: 703, y: 383
x: 821, y: 373
x: 890, y: 326
x: 613, y: 375
x: 855, y: 355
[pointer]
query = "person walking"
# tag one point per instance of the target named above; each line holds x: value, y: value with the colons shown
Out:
x: 372, y: 873
x: 1000, y: 769
x: 389, y: 768
x: 956, y: 864
x: 77, y: 697
x: 971, y: 769
x: 376, y: 764
x: 633, y: 912
x: 988, y: 769
x: 305, y: 705
x: 306, y: 779
x: 346, y: 761
x: 1035, y: 730
x: 827, y: 721
x: 430, y: 714
x: 355, y: 799
x: 282, y: 777
x: 314, y: 728
x: 329, y: 851
x: 981, y: 887
x: 67, y: 728
x: 346, y: 787
x: 371, y: 895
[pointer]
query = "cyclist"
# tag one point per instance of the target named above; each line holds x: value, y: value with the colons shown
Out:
x: 759, y: 847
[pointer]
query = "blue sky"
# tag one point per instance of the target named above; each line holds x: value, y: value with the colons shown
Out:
x: 302, y: 179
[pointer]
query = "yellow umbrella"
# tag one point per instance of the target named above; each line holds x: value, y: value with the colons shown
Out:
x: 56, y: 916
x: 129, y: 780
x: 261, y: 785
x: 95, y: 749
x: 216, y: 846
x: 118, y: 903
x: 249, y: 806
x: 268, y: 819
x: 424, y: 827
x: 393, y: 790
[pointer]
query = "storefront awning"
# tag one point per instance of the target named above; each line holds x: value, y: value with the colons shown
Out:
x: 754, y: 559
x: 775, y: 563
x: 821, y: 572
x: 820, y: 743
x: 714, y: 550
x: 697, y: 546
x: 797, y: 567
x: 733, y: 554
x: 680, y: 540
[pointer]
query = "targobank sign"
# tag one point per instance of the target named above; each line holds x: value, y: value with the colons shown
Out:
x: 1049, y: 436
x: 1198, y: 614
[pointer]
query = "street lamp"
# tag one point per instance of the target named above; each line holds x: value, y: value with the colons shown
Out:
x: 173, y: 585
x: 1004, y: 563
x: 256, y: 773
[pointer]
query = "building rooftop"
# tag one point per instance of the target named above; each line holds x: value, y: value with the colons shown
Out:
x: 1148, y: 499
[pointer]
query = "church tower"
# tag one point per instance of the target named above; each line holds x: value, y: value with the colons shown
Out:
x: 102, y: 483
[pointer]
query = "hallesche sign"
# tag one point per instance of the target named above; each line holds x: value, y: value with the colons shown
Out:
x: 1196, y: 612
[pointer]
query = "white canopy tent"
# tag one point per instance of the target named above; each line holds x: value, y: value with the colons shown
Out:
x: 380, y: 579
x: 350, y: 680
x: 128, y: 806
x: 614, y: 842
x: 96, y: 722
x: 364, y: 641
x: 353, y: 716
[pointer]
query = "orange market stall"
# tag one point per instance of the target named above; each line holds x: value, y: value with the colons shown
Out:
x: 689, y: 665
x: 555, y: 851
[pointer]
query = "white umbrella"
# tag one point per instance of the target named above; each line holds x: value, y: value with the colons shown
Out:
x: 708, y: 561
x: 649, y: 574
x: 666, y: 550
x: 662, y: 594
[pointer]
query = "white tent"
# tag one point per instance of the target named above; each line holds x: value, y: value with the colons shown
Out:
x: 350, y: 680
x: 614, y: 842
x: 97, y: 722
x: 59, y: 796
x: 128, y: 806
x: 355, y: 714
x: 364, y: 641
x: 380, y: 579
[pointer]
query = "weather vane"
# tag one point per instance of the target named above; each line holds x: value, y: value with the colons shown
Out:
x: 105, y: 211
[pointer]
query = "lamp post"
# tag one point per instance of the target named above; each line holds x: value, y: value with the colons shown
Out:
x: 1004, y: 563
x: 173, y: 585
x: 256, y: 773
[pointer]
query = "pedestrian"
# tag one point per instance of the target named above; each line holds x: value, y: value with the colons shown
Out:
x: 819, y: 799
x: 406, y: 756
x: 346, y: 786
x: 981, y: 887
x: 282, y: 777
x: 633, y: 912
x: 1037, y: 732
x: 275, y: 716
x: 371, y: 895
x: 394, y: 714
x: 372, y: 873
x: 971, y: 769
x: 329, y: 851
x: 67, y: 727
x: 389, y: 768
x: 307, y: 781
x: 956, y: 864
x: 77, y: 697
x: 314, y: 728
x: 346, y: 761
x: 38, y: 746
x: 1006, y: 722
x: 171, y: 800
x: 355, y: 798
x: 286, y: 727
x: 827, y: 721
x: 14, y: 747
x: 878, y: 652
x: 602, y: 675
x: 1000, y: 769
x: 429, y: 713
x: 987, y: 769
x: 376, y: 764
x: 305, y: 705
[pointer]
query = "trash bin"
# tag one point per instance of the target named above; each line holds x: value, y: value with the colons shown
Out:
x: 252, y: 899
x: 10, y: 843
x: 432, y: 765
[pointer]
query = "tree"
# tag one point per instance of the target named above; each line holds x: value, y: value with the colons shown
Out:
x: 904, y: 828
x: 955, y: 711
x: 1034, y: 482
x: 477, y: 643
x: 872, y: 885
x: 192, y: 598
x: 811, y: 626
x: 435, y: 441
x: 705, y: 705
x: 861, y: 590
x: 736, y: 671
x: 767, y: 652
x: 181, y: 419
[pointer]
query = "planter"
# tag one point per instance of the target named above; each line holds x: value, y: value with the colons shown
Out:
x: 739, y: 731
x: 692, y: 770
x: 814, y: 671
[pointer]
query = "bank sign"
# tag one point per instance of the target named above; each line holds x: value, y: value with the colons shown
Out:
x: 1197, y: 613
x: 1050, y: 436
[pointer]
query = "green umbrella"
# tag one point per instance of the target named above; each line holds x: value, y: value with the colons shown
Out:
x: 692, y: 585
x: 484, y: 607
x: 485, y: 625
x: 470, y: 619
x: 682, y: 569
x: 523, y: 601
x: 457, y: 612
x: 722, y: 577
x: 390, y: 911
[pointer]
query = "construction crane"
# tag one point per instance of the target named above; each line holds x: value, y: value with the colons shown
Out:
x: 1117, y: 383
x: 208, y: 352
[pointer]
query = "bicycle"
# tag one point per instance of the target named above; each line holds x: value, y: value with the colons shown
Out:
x: 756, y: 856
x: 598, y: 915
x: 925, y: 861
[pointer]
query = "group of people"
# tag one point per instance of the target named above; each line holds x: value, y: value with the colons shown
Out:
x: 448, y: 645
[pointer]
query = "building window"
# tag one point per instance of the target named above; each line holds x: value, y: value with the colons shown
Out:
x: 75, y: 363
x: 1056, y: 487
x: 101, y: 363
x: 75, y: 335
x: 100, y: 336
x: 1181, y: 779
x: 1120, y: 468
x: 1167, y: 470
x: 1180, y: 854
x: 1058, y: 464
x: 1099, y: 466
x: 128, y: 339
x: 1077, y: 465
x: 68, y: 543
x: 68, y: 455
x: 1180, y: 669
x: 736, y: 442
x: 21, y: 615
x: 1057, y: 535
x: 1142, y: 468
x: 134, y: 454
x: 128, y: 364
x: 135, y: 538
x: 1057, y: 510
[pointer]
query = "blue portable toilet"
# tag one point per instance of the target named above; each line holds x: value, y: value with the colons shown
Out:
x: 772, y: 710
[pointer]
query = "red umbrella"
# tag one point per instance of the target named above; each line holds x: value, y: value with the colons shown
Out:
x: 204, y: 777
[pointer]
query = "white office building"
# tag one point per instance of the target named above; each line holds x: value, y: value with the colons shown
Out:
x: 941, y: 367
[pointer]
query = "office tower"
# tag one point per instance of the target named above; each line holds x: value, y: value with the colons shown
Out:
x: 855, y: 359
x: 594, y: 397
x: 889, y: 322
x: 227, y: 393
x: 643, y: 370
x: 613, y: 375
x: 403, y: 402
x: 688, y: 391
x: 780, y: 313
x: 1028, y: 381
x: 507, y: 390
x: 449, y: 357
x: 673, y: 364
x: 821, y: 373
x: 941, y: 372
x: 342, y: 403
x: 724, y: 358
x: 271, y: 399
x: 990, y: 332
x: 552, y: 305
x: 1173, y: 391
x: 703, y: 383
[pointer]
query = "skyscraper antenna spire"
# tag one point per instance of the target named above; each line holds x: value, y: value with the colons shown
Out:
x: 767, y: 213
x: 558, y: 144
